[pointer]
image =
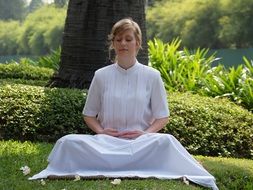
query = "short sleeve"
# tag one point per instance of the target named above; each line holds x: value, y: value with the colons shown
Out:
x: 93, y: 102
x: 159, y: 103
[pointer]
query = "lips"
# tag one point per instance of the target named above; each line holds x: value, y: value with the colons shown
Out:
x: 123, y: 50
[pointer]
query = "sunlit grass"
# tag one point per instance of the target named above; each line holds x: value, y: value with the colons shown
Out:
x: 230, y: 173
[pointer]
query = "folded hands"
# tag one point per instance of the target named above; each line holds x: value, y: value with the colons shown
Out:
x: 122, y: 134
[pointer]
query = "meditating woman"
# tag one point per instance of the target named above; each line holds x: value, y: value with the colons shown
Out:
x: 126, y: 107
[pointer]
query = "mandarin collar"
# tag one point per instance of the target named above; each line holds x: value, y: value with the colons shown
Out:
x: 129, y: 70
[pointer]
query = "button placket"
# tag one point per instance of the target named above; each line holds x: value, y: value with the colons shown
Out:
x: 127, y: 99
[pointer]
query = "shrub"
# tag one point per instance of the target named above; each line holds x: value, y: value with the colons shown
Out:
x: 22, y: 81
x: 24, y: 71
x: 37, y: 113
x: 235, y: 83
x: 191, y: 71
x: 51, y: 60
x: 209, y: 126
x: 180, y: 70
x: 203, y: 125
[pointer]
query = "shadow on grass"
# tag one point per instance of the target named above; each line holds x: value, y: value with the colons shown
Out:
x: 14, y: 155
x: 230, y: 173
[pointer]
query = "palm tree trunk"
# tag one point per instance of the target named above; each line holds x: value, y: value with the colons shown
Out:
x: 84, y: 47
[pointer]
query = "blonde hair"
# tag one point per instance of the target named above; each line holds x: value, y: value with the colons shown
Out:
x: 123, y: 25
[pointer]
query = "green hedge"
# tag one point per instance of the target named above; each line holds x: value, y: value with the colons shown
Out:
x: 203, y: 125
x: 40, y: 114
x: 24, y: 71
x: 24, y: 81
x: 210, y: 126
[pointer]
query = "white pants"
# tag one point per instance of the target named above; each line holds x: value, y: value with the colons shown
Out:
x: 150, y: 155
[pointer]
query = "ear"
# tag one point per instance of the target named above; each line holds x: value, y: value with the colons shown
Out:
x: 137, y: 44
x: 112, y: 46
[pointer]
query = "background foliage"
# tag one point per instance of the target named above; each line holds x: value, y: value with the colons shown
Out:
x: 19, y: 9
x: 205, y: 24
x: 9, y: 32
x: 42, y: 31
x: 12, y: 10
x: 38, y: 34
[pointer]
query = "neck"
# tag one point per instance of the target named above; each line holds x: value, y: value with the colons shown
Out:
x: 126, y: 63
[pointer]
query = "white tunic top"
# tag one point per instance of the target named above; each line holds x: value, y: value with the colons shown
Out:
x: 127, y: 99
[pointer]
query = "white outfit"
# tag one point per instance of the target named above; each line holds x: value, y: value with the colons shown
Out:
x: 125, y: 100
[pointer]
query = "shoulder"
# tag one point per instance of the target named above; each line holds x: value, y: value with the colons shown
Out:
x: 104, y: 70
x: 150, y: 71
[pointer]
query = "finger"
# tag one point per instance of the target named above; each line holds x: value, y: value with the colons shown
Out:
x: 134, y: 133
x: 130, y: 136
x: 131, y: 132
x: 115, y: 134
x: 111, y: 130
x: 123, y: 133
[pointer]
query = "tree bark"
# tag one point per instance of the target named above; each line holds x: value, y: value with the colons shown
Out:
x: 84, y: 47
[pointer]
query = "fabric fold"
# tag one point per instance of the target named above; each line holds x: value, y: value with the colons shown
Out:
x: 152, y: 155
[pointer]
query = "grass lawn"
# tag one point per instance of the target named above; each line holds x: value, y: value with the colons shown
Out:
x: 230, y: 173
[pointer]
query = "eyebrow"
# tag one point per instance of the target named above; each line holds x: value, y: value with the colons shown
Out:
x: 127, y: 36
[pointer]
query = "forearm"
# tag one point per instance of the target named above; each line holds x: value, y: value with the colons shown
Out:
x: 93, y: 124
x: 157, y: 125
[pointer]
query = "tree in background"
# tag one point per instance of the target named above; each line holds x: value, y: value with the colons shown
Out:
x: 9, y: 32
x: 207, y: 24
x: 236, y: 23
x: 35, y: 4
x: 38, y: 34
x: 84, y: 47
x: 42, y: 31
x: 60, y: 3
x: 193, y: 21
x: 12, y: 9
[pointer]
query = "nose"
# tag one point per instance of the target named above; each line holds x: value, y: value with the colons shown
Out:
x: 123, y: 42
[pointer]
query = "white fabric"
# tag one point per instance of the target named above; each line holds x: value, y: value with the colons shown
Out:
x: 127, y: 99
x: 150, y: 155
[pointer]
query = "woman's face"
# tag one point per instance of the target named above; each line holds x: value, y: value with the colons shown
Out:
x: 125, y: 44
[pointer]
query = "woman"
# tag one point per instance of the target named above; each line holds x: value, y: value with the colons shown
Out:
x: 125, y: 107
